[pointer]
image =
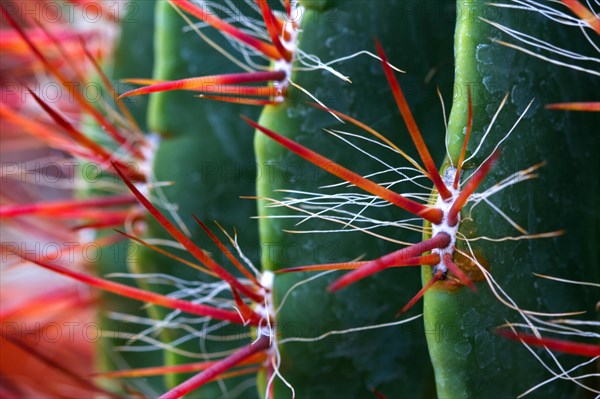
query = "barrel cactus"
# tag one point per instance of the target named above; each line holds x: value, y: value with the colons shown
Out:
x: 368, y: 199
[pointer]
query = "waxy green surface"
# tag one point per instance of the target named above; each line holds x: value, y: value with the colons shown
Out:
x: 469, y: 359
x: 393, y: 360
x: 206, y: 151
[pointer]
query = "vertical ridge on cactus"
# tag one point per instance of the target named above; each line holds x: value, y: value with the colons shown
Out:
x: 463, y: 151
x: 480, y: 56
